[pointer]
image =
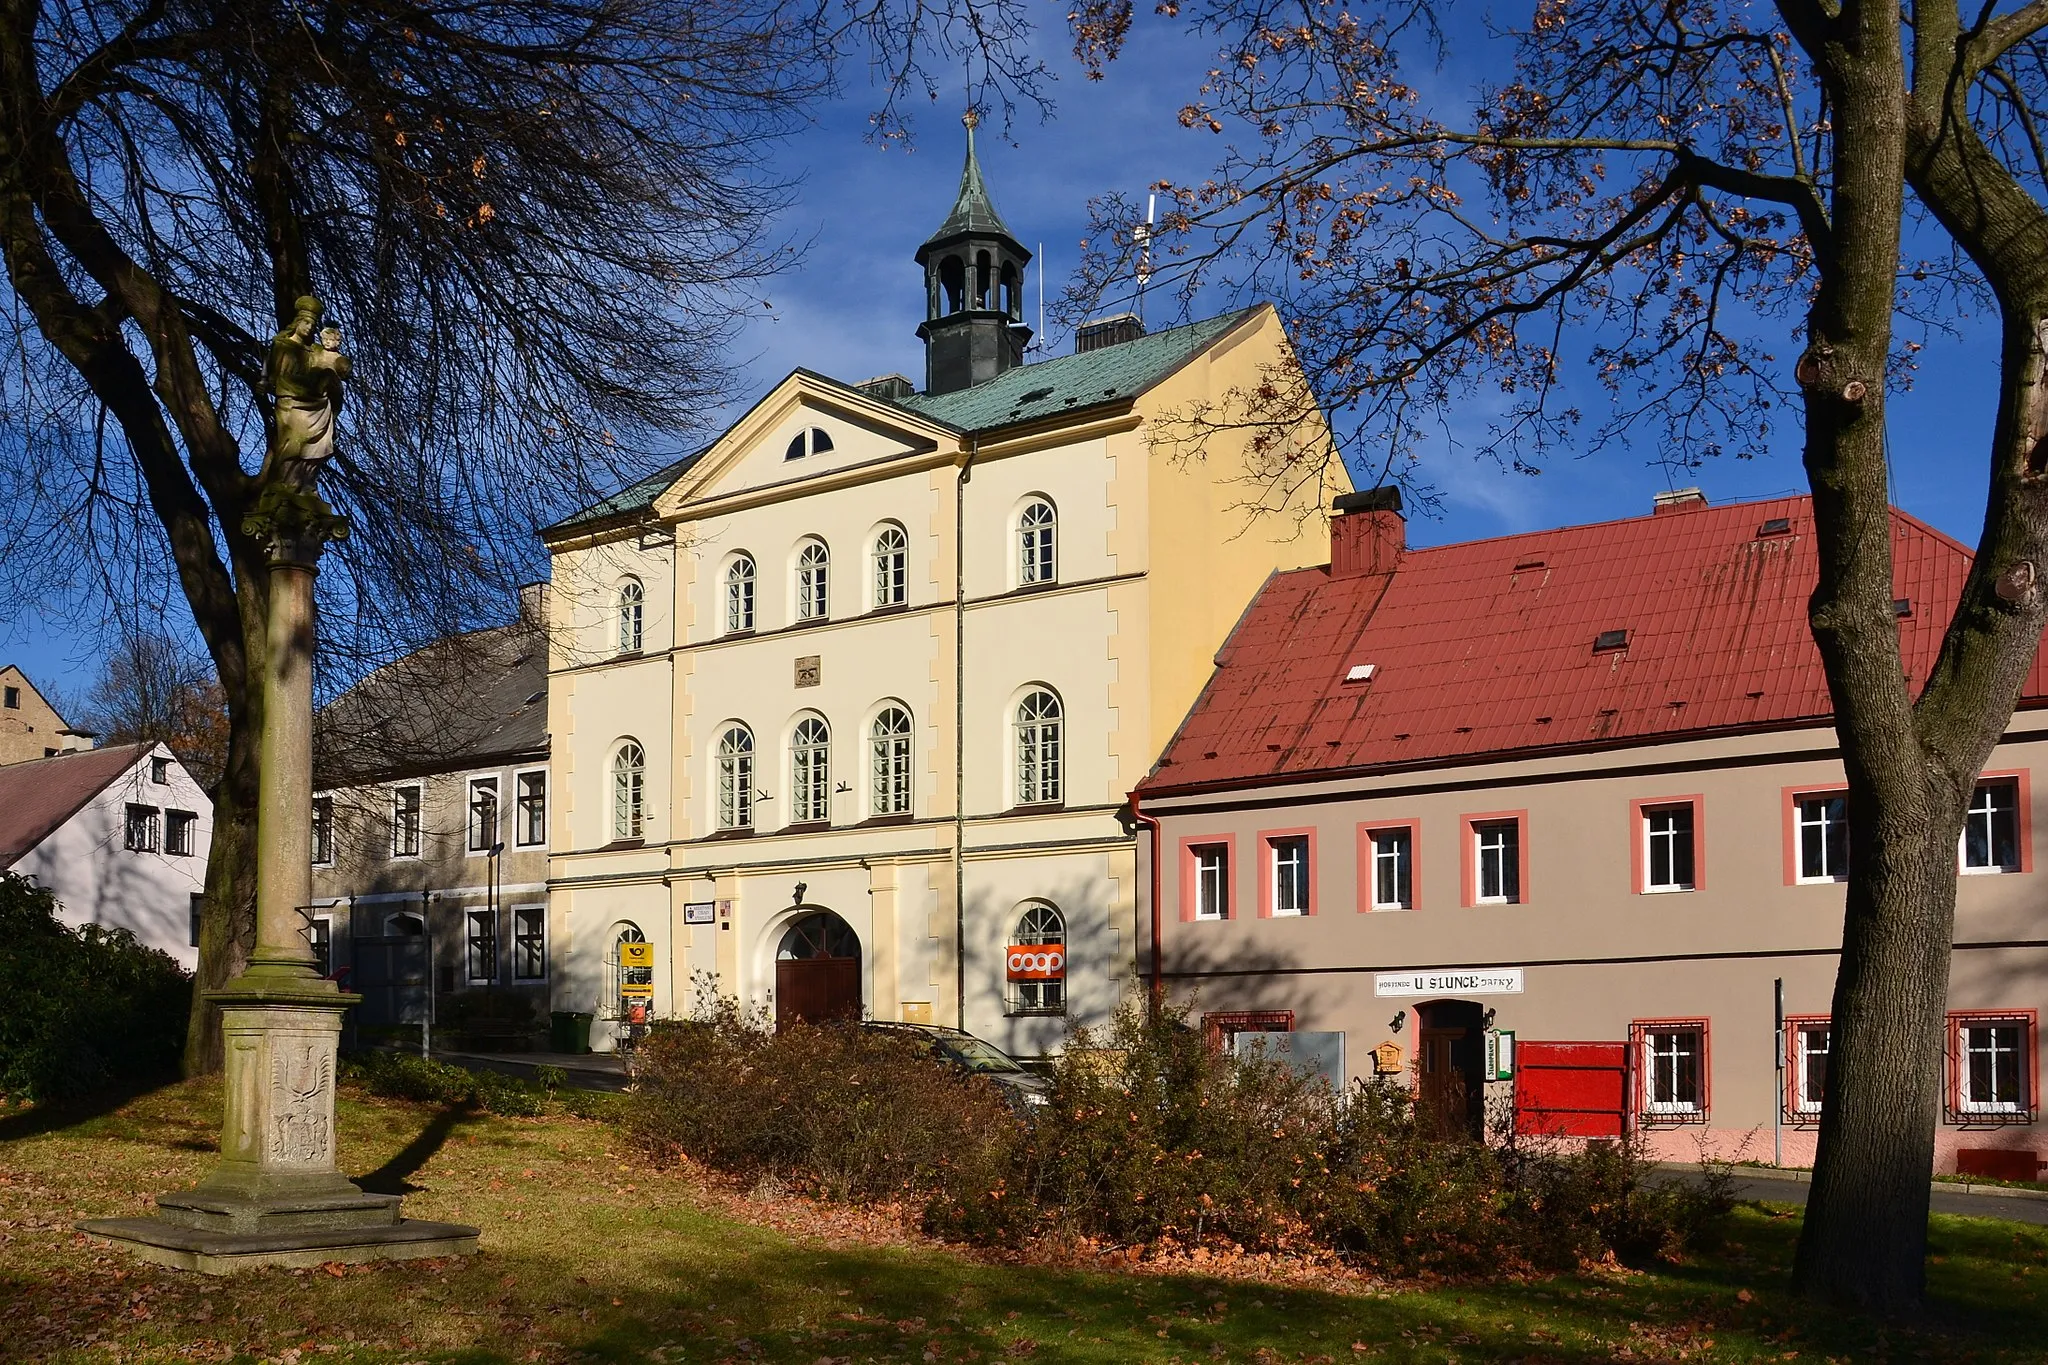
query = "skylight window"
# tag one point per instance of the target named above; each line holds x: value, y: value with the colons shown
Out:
x: 1359, y: 673
x: 1776, y: 526
x: 1902, y: 606
x: 1608, y: 640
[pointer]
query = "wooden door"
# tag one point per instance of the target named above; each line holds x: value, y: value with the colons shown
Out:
x: 1440, y: 1093
x: 817, y: 989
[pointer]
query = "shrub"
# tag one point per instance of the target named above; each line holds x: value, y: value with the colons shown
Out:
x: 404, y: 1076
x: 82, y: 1009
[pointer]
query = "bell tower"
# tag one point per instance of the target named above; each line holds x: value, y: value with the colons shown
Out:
x: 974, y: 288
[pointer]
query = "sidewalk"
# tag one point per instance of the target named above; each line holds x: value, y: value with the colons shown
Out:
x: 586, y: 1071
x: 1779, y: 1185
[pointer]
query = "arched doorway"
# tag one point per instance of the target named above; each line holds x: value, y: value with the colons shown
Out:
x: 817, y: 970
x: 1450, y: 1092
x: 632, y: 978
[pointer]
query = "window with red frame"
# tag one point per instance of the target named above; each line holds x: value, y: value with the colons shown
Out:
x: 1219, y: 1027
x: 1992, y: 1070
x: 1807, y: 1041
x: 1991, y: 827
x: 1671, y: 1070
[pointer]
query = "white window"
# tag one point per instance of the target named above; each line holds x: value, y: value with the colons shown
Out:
x: 405, y: 822
x: 1667, y: 848
x: 1809, y: 1066
x: 813, y: 568
x: 1290, y: 873
x: 1041, y: 927
x: 1497, y: 849
x: 483, y: 814
x: 1823, y: 838
x: 320, y: 934
x: 629, y: 790
x: 1212, y: 880
x: 1991, y: 830
x: 1674, y: 1070
x: 736, y: 779
x: 889, y: 762
x: 323, y: 830
x: 1040, y: 760
x: 1992, y: 1070
x: 892, y: 567
x: 531, y: 823
x: 816, y: 441
x: 139, y: 833
x: 179, y: 827
x: 632, y: 609
x: 529, y: 942
x: 1393, y: 869
x: 810, y: 771
x: 1037, y: 543
x: 483, y: 947
x: 739, y: 594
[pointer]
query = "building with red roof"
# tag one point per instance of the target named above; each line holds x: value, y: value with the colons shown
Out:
x: 1553, y: 813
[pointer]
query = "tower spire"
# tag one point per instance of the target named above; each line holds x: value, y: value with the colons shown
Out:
x: 974, y: 286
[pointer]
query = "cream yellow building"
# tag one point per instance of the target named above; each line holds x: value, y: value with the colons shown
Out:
x: 847, y: 705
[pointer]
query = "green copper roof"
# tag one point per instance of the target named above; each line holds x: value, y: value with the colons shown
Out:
x: 973, y: 211
x: 633, y: 498
x: 1074, y: 381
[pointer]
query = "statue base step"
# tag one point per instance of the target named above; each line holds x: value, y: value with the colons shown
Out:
x: 213, y: 1235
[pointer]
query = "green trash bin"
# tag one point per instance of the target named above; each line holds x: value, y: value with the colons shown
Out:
x: 569, y: 1032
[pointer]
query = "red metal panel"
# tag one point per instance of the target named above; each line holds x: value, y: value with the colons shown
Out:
x: 1571, y: 1089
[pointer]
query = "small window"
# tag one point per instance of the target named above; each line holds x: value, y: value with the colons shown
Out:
x: 1806, y: 1043
x: 736, y: 779
x: 1040, y: 986
x: 1212, y: 880
x: 1992, y: 1068
x: 889, y: 763
x: 405, y: 822
x: 632, y: 615
x: 1037, y: 543
x: 813, y: 587
x: 1775, y: 526
x: 532, y: 824
x: 1671, y: 1058
x: 529, y: 942
x: 1668, y: 848
x: 483, y: 947
x: 160, y: 771
x: 320, y: 934
x: 140, y: 829
x: 739, y: 594
x: 810, y: 771
x: 1497, y: 856
x: 816, y: 441
x: 1393, y: 868
x: 1040, y: 758
x: 1991, y: 830
x: 629, y: 790
x: 483, y: 814
x: 197, y: 912
x: 1823, y: 835
x: 1610, y: 640
x: 892, y: 572
x: 180, y: 832
x: 323, y: 831
x: 14, y: 699
x: 1289, y: 870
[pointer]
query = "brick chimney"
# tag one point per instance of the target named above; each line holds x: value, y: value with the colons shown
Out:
x: 1678, y: 500
x: 1368, y: 533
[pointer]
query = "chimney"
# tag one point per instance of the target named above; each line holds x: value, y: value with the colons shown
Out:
x: 1368, y: 533
x: 533, y: 604
x: 890, y: 388
x: 1110, y: 331
x: 1678, y: 500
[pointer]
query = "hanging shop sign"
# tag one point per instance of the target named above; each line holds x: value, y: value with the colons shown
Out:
x: 1450, y: 981
x: 636, y: 955
x: 1036, y: 961
x: 1500, y: 1054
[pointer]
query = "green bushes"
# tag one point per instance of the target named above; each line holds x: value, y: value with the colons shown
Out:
x: 405, y: 1076
x: 81, y: 1009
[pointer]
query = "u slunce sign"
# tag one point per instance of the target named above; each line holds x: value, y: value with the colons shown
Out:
x: 1450, y: 981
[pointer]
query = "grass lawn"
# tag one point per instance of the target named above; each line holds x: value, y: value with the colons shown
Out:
x: 588, y: 1255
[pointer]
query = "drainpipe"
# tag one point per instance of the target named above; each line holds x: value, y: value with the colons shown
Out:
x: 1151, y: 822
x: 960, y: 734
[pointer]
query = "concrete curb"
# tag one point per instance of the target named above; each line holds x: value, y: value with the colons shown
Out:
x: 1795, y: 1175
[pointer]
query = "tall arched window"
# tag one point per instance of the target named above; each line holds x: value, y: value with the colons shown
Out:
x: 889, y: 762
x: 632, y: 609
x: 813, y: 564
x: 1037, y: 543
x: 810, y: 771
x: 1038, y: 982
x: 629, y: 790
x: 892, y: 567
x: 736, y: 779
x: 1040, y: 761
x: 739, y: 593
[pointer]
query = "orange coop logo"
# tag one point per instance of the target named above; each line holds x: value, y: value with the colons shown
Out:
x: 1036, y: 961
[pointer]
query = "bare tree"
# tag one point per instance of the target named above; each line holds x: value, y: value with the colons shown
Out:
x: 534, y: 221
x: 1678, y: 193
x: 156, y: 687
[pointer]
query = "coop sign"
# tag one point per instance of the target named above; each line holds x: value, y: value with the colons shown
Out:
x: 1450, y: 981
x: 1036, y: 962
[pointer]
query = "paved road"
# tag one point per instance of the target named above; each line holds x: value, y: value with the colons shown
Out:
x: 1966, y: 1205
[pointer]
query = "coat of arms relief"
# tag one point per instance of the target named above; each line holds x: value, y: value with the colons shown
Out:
x: 301, y: 1104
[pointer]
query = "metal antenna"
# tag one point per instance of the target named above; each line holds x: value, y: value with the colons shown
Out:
x: 1041, y: 296
x: 1142, y: 238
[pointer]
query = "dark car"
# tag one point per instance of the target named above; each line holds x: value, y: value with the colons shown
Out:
x: 955, y: 1048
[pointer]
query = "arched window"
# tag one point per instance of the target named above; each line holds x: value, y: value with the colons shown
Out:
x: 983, y: 279
x: 892, y: 567
x: 622, y: 975
x: 1037, y: 979
x: 736, y: 779
x: 816, y: 441
x: 629, y: 790
x: 810, y: 771
x: 1013, y: 292
x: 953, y: 279
x: 1037, y: 543
x: 632, y: 608
x: 1040, y: 761
x: 739, y: 593
x: 890, y: 762
x: 813, y: 595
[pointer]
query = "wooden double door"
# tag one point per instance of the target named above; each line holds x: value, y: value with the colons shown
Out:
x: 1450, y: 1093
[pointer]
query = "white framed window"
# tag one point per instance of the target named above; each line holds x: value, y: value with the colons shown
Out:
x: 1993, y: 1060
x: 632, y: 615
x: 482, y: 945
x: 1212, y: 880
x: 889, y: 762
x: 1288, y: 866
x: 736, y: 778
x: 1041, y: 759
x: 1672, y: 1057
x: 405, y: 822
x: 1393, y: 868
x: 180, y: 827
x: 1991, y: 828
x: 1668, y: 848
x: 816, y: 441
x: 740, y: 578
x: 629, y: 790
x: 323, y: 831
x: 1497, y: 861
x: 813, y: 581
x: 1809, y: 1048
x: 810, y: 771
x: 483, y: 814
x: 892, y: 567
x: 1037, y: 543
x: 1041, y: 927
x: 141, y: 828
x: 1823, y: 836
x: 529, y: 942
x: 530, y: 821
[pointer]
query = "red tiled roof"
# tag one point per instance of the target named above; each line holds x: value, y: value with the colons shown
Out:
x: 1487, y: 647
x: 38, y: 796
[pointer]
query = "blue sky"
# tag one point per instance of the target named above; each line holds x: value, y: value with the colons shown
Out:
x: 852, y: 307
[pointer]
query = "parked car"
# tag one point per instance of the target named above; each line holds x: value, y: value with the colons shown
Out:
x: 968, y: 1053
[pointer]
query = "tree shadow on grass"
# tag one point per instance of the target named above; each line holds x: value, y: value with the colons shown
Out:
x: 72, y: 1111
x: 392, y: 1176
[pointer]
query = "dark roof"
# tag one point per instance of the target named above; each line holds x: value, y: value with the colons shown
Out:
x: 1487, y: 647
x: 973, y: 212
x: 629, y: 502
x: 38, y: 796
x: 470, y: 698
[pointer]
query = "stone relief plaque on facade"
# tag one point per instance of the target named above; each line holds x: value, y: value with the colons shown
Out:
x: 808, y: 672
x: 301, y: 1102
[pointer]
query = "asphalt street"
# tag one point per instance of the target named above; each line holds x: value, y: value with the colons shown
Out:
x: 1965, y: 1205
